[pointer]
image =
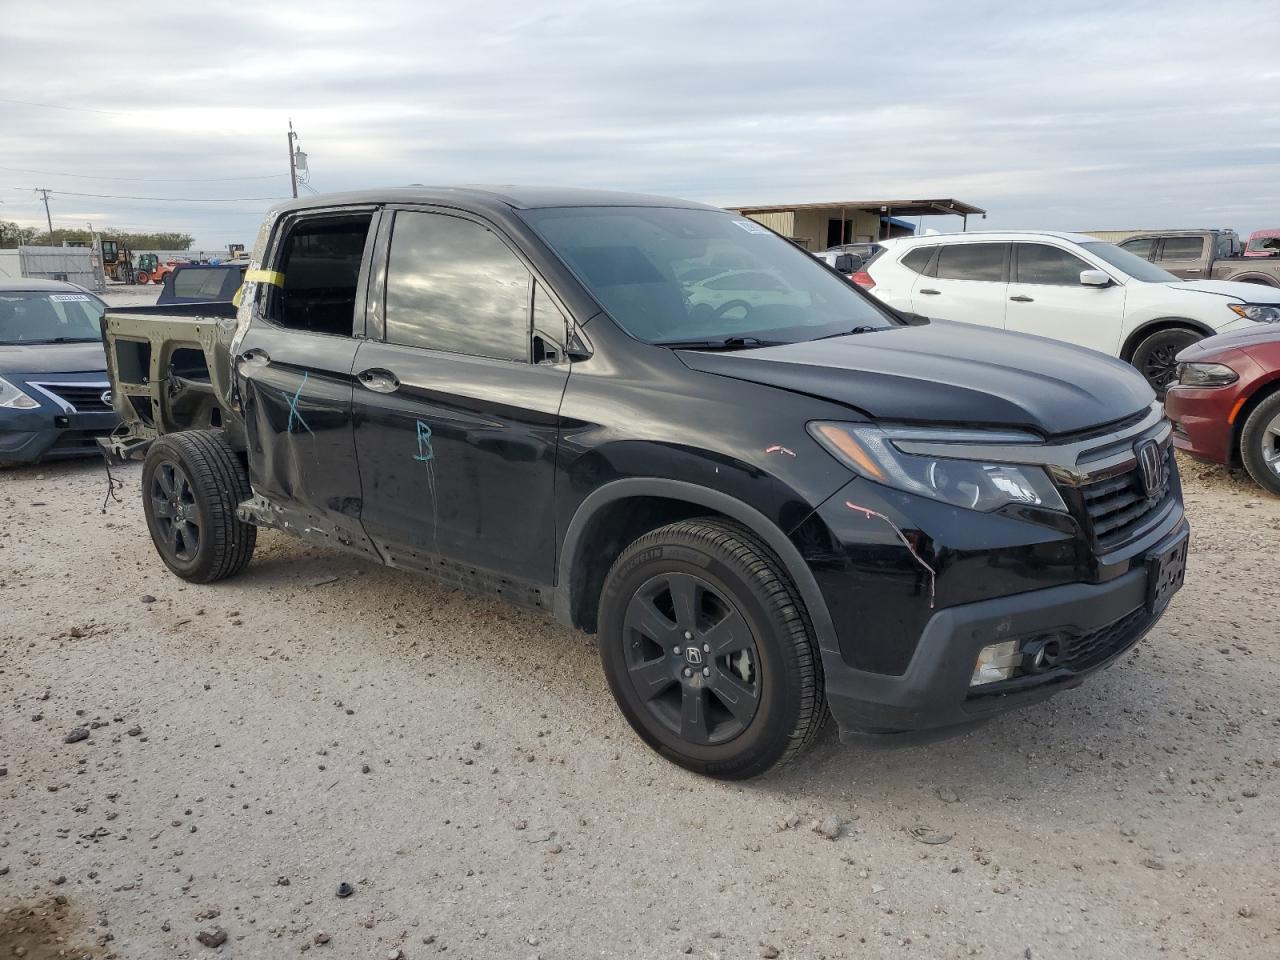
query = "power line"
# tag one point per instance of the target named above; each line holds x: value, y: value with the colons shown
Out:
x: 83, y: 176
x: 112, y: 196
x: 60, y: 106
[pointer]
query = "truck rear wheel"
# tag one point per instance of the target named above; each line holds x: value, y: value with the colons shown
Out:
x: 191, y: 484
x: 708, y: 650
x: 1260, y: 444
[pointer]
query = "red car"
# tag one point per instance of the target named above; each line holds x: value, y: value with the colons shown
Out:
x: 1225, y: 406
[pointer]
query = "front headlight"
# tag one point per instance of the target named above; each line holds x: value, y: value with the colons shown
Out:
x: 1205, y: 375
x: 870, y: 451
x: 1259, y: 312
x: 15, y: 399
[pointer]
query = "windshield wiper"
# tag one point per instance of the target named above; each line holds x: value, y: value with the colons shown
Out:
x: 726, y: 343
x: 849, y: 333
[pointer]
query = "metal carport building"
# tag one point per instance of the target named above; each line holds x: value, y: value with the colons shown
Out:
x: 817, y: 226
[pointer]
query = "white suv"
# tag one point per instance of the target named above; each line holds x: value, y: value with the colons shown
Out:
x: 1068, y: 287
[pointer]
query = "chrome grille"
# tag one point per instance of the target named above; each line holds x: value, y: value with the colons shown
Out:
x: 80, y: 397
x: 1119, y: 507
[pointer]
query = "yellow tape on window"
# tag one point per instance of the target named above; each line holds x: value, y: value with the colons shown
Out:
x: 273, y: 277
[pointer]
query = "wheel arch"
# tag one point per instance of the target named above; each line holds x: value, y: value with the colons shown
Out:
x: 1149, y: 327
x: 1262, y: 279
x: 614, y: 515
x: 1259, y: 394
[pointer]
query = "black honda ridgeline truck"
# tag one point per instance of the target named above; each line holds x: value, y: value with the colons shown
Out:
x: 770, y: 496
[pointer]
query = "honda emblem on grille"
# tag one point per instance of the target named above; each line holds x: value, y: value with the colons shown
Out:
x: 1151, y: 466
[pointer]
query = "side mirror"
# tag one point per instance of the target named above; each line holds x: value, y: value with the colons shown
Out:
x: 1094, y: 278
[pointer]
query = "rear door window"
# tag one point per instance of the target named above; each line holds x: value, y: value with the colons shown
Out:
x: 1041, y: 263
x: 454, y: 285
x: 971, y: 261
x: 1182, y: 248
x: 1143, y: 247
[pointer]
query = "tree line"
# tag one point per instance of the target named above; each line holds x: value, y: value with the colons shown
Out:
x: 12, y: 235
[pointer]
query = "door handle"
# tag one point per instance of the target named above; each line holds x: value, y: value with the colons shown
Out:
x: 933, y: 292
x: 1192, y: 270
x: 1020, y: 298
x: 255, y: 357
x: 378, y: 380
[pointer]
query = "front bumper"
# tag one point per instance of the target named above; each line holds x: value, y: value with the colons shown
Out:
x: 1101, y: 621
x: 57, y: 428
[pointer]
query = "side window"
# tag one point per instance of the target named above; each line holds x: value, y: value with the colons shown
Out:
x: 1142, y: 247
x: 320, y: 260
x: 1041, y: 263
x: 453, y: 285
x: 1182, y: 248
x: 971, y: 261
x: 918, y: 259
x: 1227, y: 246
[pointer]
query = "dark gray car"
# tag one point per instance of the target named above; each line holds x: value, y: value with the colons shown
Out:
x: 55, y: 400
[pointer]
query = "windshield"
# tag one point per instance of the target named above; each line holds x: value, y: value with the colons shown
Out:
x: 40, y: 317
x: 672, y: 275
x: 1129, y: 263
x: 1264, y: 244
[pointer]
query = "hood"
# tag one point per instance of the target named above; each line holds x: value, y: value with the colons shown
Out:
x: 1237, y: 290
x: 1254, y: 335
x: 943, y: 372
x: 53, y: 358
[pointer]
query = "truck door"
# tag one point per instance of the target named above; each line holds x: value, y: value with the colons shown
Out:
x: 1184, y: 256
x: 457, y: 406
x: 294, y: 373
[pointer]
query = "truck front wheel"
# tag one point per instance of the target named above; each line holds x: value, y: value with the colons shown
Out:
x: 708, y: 650
x: 191, y: 484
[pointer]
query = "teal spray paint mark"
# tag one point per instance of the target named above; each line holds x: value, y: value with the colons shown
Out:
x: 425, y: 453
x: 294, y: 413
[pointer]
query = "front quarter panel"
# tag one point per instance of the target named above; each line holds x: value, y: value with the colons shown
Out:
x: 656, y: 418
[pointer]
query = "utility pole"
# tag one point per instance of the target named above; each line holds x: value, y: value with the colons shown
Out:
x: 44, y: 194
x: 293, y: 170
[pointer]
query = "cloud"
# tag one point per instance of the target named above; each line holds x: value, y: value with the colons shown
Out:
x: 1092, y: 115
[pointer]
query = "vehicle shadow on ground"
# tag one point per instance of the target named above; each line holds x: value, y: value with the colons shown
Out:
x: 1035, y: 753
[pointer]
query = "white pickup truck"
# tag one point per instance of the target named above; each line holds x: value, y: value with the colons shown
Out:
x: 1069, y: 287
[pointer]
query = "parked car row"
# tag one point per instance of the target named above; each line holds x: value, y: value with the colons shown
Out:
x: 1068, y: 287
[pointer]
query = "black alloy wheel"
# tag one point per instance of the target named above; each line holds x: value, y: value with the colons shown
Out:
x: 173, y: 504
x: 708, y: 649
x: 192, y: 484
x: 692, y: 659
x: 1156, y: 356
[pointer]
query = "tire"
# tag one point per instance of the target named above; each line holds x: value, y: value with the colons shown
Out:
x: 1154, y: 356
x: 746, y: 700
x: 143, y: 277
x: 1260, y: 440
x: 191, y: 485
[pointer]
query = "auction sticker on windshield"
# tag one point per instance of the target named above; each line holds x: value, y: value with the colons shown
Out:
x: 68, y: 297
x: 751, y: 226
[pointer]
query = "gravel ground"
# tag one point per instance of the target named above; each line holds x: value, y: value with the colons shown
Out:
x: 459, y: 763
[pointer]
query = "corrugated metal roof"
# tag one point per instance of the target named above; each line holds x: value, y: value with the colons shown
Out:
x: 905, y: 208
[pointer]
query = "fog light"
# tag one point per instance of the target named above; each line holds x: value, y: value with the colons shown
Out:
x: 996, y: 662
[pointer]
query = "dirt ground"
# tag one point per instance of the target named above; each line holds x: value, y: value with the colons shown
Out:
x: 320, y: 721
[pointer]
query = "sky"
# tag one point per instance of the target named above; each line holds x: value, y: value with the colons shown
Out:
x: 1081, y: 116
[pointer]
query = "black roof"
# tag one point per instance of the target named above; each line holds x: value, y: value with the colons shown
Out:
x: 511, y: 197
